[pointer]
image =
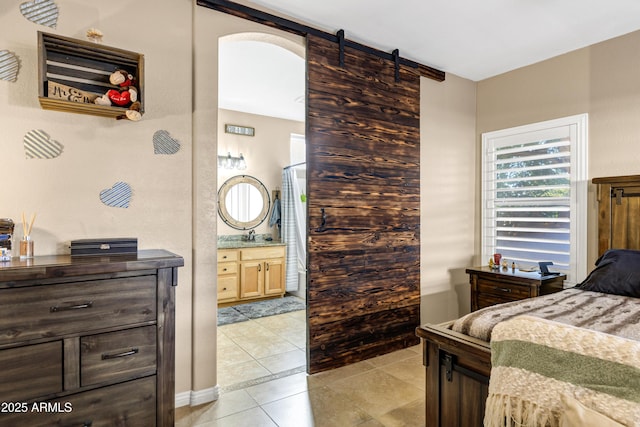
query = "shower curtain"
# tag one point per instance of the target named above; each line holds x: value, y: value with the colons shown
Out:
x: 294, y: 223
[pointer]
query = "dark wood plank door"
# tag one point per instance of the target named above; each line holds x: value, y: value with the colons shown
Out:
x: 363, y: 162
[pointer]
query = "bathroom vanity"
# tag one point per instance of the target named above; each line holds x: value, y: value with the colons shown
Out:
x: 250, y: 270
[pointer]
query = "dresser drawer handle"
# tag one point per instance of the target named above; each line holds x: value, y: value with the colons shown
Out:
x: 117, y: 355
x: 502, y: 289
x: 56, y: 308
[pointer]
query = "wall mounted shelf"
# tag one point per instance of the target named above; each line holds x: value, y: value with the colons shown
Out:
x: 71, y: 72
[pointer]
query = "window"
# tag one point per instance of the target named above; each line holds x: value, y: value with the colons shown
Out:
x: 534, y: 194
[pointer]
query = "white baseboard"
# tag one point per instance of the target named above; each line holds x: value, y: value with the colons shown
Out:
x: 198, y: 397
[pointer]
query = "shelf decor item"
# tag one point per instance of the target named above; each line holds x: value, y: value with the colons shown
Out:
x: 79, y: 76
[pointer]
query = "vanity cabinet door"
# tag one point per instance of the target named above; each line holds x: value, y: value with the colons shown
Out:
x: 251, y: 279
x: 274, y: 277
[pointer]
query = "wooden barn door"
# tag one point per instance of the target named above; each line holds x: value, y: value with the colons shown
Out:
x: 363, y: 162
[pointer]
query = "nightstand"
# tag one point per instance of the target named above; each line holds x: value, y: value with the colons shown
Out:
x: 495, y: 286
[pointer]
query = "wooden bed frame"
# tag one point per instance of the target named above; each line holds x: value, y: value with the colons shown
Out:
x: 458, y: 366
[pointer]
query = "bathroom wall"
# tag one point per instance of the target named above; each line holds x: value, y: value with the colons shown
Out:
x: 266, y: 154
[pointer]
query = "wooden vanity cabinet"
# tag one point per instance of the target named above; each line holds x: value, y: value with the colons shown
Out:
x: 250, y: 273
x: 88, y: 341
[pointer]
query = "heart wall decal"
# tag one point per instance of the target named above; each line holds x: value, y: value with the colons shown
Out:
x: 164, y: 143
x: 118, y: 196
x: 9, y: 66
x: 39, y: 145
x: 43, y: 12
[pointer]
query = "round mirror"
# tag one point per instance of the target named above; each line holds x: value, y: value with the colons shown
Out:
x: 243, y: 202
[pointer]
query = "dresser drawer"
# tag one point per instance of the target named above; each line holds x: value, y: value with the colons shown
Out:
x: 33, y: 370
x: 227, y: 268
x: 53, y: 310
x: 131, y: 404
x: 506, y: 291
x: 117, y: 356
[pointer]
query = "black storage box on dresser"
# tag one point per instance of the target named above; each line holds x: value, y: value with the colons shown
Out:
x: 102, y: 247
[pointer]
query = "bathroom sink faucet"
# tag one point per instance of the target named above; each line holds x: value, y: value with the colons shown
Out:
x: 252, y: 235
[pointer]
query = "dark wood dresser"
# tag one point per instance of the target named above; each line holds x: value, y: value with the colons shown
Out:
x: 88, y: 341
x: 495, y: 286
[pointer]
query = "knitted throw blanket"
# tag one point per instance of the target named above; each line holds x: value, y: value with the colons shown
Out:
x: 537, y: 364
x: 612, y: 314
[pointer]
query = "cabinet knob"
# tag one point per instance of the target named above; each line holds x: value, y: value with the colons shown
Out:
x: 224, y: 269
x: 497, y: 288
x: 224, y: 289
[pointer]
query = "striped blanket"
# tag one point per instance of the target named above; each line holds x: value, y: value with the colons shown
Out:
x: 542, y: 368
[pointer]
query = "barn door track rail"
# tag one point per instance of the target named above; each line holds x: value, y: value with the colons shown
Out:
x: 274, y: 21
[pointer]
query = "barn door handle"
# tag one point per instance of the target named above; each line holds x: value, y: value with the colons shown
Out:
x: 323, y: 221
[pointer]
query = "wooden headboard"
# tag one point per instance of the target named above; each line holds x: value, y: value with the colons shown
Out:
x: 618, y: 212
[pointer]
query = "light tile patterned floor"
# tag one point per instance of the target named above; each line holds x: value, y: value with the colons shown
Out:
x: 261, y: 372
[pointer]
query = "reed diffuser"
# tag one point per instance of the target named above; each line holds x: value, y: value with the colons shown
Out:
x: 26, y: 244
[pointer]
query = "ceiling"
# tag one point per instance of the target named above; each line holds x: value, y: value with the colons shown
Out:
x: 469, y: 38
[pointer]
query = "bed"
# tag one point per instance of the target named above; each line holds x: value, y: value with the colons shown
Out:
x: 500, y: 366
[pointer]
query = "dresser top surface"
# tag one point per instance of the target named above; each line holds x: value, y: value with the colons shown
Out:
x: 55, y: 266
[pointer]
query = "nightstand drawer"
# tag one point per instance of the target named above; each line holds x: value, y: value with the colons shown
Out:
x: 32, y: 370
x: 506, y: 291
x: 118, y: 356
x: 52, y: 310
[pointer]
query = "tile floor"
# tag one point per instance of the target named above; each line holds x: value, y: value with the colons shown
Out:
x: 263, y: 382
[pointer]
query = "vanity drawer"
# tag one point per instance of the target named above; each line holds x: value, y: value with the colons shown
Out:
x: 225, y: 255
x: 228, y: 268
x: 227, y: 287
x: 33, y: 370
x: 117, y: 356
x: 54, y: 310
x: 130, y: 404
x: 262, y: 253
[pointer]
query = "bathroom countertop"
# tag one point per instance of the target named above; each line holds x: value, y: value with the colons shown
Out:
x: 239, y: 243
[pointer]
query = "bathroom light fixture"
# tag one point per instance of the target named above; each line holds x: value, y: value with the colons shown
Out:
x: 230, y: 162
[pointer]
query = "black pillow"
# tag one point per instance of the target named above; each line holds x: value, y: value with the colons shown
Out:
x: 617, y: 272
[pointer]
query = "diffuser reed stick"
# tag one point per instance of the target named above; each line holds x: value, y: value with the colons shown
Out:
x: 26, y: 229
